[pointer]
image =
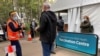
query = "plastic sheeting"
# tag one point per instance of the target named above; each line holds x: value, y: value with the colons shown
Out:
x: 87, y: 2
x: 66, y: 4
x: 74, y: 20
x: 93, y: 11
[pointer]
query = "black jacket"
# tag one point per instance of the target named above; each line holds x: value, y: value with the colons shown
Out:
x: 47, y: 28
x: 60, y: 25
x: 86, y: 27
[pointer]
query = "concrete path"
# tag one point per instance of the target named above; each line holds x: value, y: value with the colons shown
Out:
x: 33, y: 48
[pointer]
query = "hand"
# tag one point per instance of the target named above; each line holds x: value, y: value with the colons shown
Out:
x: 36, y: 28
x: 22, y: 26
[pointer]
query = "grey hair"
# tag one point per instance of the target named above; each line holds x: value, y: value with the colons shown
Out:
x: 47, y: 4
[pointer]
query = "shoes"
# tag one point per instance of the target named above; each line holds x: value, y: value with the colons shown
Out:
x: 52, y: 52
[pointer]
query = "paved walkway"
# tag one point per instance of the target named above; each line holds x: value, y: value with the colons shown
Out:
x: 30, y: 48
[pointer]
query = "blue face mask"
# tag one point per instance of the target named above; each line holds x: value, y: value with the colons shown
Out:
x: 15, y: 18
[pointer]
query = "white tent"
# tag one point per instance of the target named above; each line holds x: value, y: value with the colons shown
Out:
x: 76, y: 10
x: 66, y: 4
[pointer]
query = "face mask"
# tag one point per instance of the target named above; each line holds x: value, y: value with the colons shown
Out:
x: 15, y: 18
x: 85, y: 19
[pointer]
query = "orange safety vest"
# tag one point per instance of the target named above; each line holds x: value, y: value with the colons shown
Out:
x: 12, y: 35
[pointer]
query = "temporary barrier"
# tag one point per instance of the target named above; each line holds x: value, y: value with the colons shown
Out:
x: 29, y: 36
x: 87, y: 43
x: 10, y: 50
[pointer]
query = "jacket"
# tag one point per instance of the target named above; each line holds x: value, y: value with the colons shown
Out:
x: 86, y: 27
x: 47, y: 28
x: 60, y: 25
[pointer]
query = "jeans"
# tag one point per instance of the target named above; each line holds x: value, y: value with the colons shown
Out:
x: 46, y: 49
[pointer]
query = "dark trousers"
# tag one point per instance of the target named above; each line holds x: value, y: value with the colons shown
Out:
x: 46, y: 49
x: 32, y: 33
x: 18, y: 47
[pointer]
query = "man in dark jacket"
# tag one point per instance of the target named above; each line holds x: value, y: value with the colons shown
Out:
x: 47, y: 29
x: 32, y: 27
x: 60, y: 24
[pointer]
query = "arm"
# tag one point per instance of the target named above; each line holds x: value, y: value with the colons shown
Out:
x: 13, y: 28
x: 35, y: 24
x: 42, y: 23
x: 85, y: 25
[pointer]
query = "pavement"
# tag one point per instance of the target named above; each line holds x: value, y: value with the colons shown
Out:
x: 33, y: 48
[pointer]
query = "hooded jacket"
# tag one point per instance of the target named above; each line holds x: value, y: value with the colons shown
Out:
x: 86, y: 27
x: 47, y: 28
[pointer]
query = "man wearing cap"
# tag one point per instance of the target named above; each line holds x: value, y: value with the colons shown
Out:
x: 13, y: 32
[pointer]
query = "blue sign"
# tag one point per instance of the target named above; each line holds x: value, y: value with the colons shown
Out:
x: 86, y: 43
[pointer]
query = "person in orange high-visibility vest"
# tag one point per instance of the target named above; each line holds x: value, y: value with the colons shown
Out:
x: 13, y: 32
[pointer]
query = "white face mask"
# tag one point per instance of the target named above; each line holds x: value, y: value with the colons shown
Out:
x: 85, y: 19
x: 15, y: 18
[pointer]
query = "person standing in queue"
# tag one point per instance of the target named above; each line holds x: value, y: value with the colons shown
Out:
x: 60, y: 28
x: 86, y: 26
x: 13, y: 32
x: 33, y: 25
x: 60, y: 24
x: 47, y: 29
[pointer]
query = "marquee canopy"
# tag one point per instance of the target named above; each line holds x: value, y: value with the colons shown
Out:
x: 66, y: 4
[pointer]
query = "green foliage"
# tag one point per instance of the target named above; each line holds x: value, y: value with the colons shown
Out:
x: 32, y: 8
x: 27, y: 27
x: 5, y: 7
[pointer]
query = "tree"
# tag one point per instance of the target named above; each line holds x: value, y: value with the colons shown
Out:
x: 5, y: 7
x: 32, y: 8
